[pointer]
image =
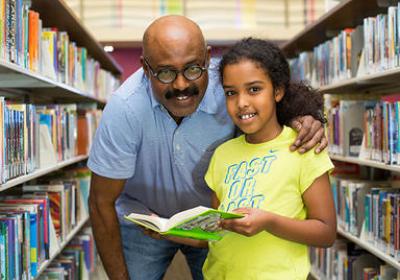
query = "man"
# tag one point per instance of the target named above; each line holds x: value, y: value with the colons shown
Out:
x: 153, y: 145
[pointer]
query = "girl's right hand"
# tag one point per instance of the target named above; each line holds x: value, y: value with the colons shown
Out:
x: 254, y: 221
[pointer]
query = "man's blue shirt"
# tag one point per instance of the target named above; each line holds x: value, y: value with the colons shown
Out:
x: 164, y: 163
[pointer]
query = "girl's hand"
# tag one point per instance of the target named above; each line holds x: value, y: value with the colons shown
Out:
x: 254, y: 221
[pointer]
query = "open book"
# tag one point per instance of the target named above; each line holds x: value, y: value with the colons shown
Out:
x: 197, y: 223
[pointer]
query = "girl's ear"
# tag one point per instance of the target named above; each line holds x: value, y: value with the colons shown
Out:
x: 279, y: 93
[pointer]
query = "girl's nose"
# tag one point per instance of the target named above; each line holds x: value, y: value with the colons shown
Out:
x: 242, y: 101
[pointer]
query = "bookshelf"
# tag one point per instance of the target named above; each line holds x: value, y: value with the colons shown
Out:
x: 39, y: 87
x: 57, y: 13
x: 315, y: 274
x: 370, y: 248
x: 346, y: 13
x: 41, y: 172
x: 368, y: 85
x: 71, y: 235
x: 365, y: 83
x: 366, y: 162
x: 27, y: 95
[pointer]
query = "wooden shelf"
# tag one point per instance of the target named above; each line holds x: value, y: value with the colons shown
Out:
x: 371, y: 163
x: 55, y: 13
x: 348, y: 13
x: 71, y: 235
x: 13, y: 76
x: 371, y: 82
x: 370, y: 248
x: 40, y: 172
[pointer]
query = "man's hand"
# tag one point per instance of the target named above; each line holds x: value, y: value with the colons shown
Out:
x: 254, y: 221
x: 152, y: 233
x: 311, y: 134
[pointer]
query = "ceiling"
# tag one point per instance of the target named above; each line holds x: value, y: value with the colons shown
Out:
x: 123, y: 21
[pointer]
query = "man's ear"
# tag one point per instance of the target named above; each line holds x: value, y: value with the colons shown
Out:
x: 208, y: 55
x: 279, y: 93
x: 144, y: 66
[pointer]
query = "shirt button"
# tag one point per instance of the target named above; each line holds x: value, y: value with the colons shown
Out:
x: 178, y: 147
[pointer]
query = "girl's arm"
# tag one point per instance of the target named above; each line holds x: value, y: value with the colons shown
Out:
x: 319, y: 229
x: 189, y: 241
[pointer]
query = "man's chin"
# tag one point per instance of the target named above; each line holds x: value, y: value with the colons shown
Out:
x: 181, y: 113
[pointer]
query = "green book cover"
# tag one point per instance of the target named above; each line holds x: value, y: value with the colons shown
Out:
x: 197, y: 223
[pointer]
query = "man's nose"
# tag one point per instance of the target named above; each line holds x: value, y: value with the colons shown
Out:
x: 180, y: 83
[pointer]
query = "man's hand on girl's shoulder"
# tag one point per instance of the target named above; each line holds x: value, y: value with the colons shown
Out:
x: 310, y: 134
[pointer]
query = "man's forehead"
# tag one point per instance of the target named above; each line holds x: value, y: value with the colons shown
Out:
x: 176, y: 55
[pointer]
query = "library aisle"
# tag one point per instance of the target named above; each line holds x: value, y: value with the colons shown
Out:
x: 60, y: 60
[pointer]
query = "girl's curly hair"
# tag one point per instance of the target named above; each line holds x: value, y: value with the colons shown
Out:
x: 299, y: 99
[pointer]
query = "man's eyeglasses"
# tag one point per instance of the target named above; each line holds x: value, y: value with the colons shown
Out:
x: 167, y: 76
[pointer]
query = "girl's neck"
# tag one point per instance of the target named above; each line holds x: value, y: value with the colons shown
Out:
x: 273, y: 131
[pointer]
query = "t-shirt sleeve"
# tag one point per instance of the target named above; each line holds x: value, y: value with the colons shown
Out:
x: 210, y: 174
x: 114, y: 149
x: 313, y: 166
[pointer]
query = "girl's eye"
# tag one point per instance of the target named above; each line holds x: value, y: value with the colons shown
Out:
x: 254, y: 89
x: 229, y: 93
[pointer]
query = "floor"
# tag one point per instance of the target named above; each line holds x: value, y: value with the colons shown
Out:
x: 178, y: 270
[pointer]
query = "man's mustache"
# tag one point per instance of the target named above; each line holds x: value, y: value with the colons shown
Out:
x: 190, y: 91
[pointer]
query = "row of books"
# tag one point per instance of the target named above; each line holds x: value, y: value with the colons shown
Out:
x: 76, y: 262
x: 34, y: 223
x: 26, y: 42
x: 365, y: 49
x: 370, y: 210
x: 345, y: 261
x: 37, y: 136
x: 365, y: 129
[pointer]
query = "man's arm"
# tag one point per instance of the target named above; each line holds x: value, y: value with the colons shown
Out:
x: 103, y: 194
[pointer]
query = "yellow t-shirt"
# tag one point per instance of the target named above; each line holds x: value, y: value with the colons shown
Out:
x: 270, y: 177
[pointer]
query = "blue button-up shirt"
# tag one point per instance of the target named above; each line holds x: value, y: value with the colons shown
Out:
x: 164, y: 163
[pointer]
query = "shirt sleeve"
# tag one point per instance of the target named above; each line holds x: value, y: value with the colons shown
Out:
x: 114, y: 150
x: 313, y: 166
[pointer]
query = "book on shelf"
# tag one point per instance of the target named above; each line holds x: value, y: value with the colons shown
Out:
x: 367, y: 129
x: 369, y: 210
x: 355, y: 52
x: 345, y: 260
x: 39, y: 136
x: 197, y: 223
x: 35, y: 224
x: 76, y: 261
x: 29, y: 43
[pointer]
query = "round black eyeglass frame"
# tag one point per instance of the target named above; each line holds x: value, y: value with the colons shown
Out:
x: 175, y: 72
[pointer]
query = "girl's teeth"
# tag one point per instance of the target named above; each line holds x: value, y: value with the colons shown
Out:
x: 247, y: 116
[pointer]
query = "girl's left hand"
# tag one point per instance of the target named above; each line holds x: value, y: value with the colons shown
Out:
x: 253, y: 222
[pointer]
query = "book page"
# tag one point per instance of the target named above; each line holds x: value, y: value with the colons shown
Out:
x: 152, y: 222
x: 185, y: 215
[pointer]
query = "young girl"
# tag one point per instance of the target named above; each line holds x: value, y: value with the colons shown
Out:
x: 285, y: 196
